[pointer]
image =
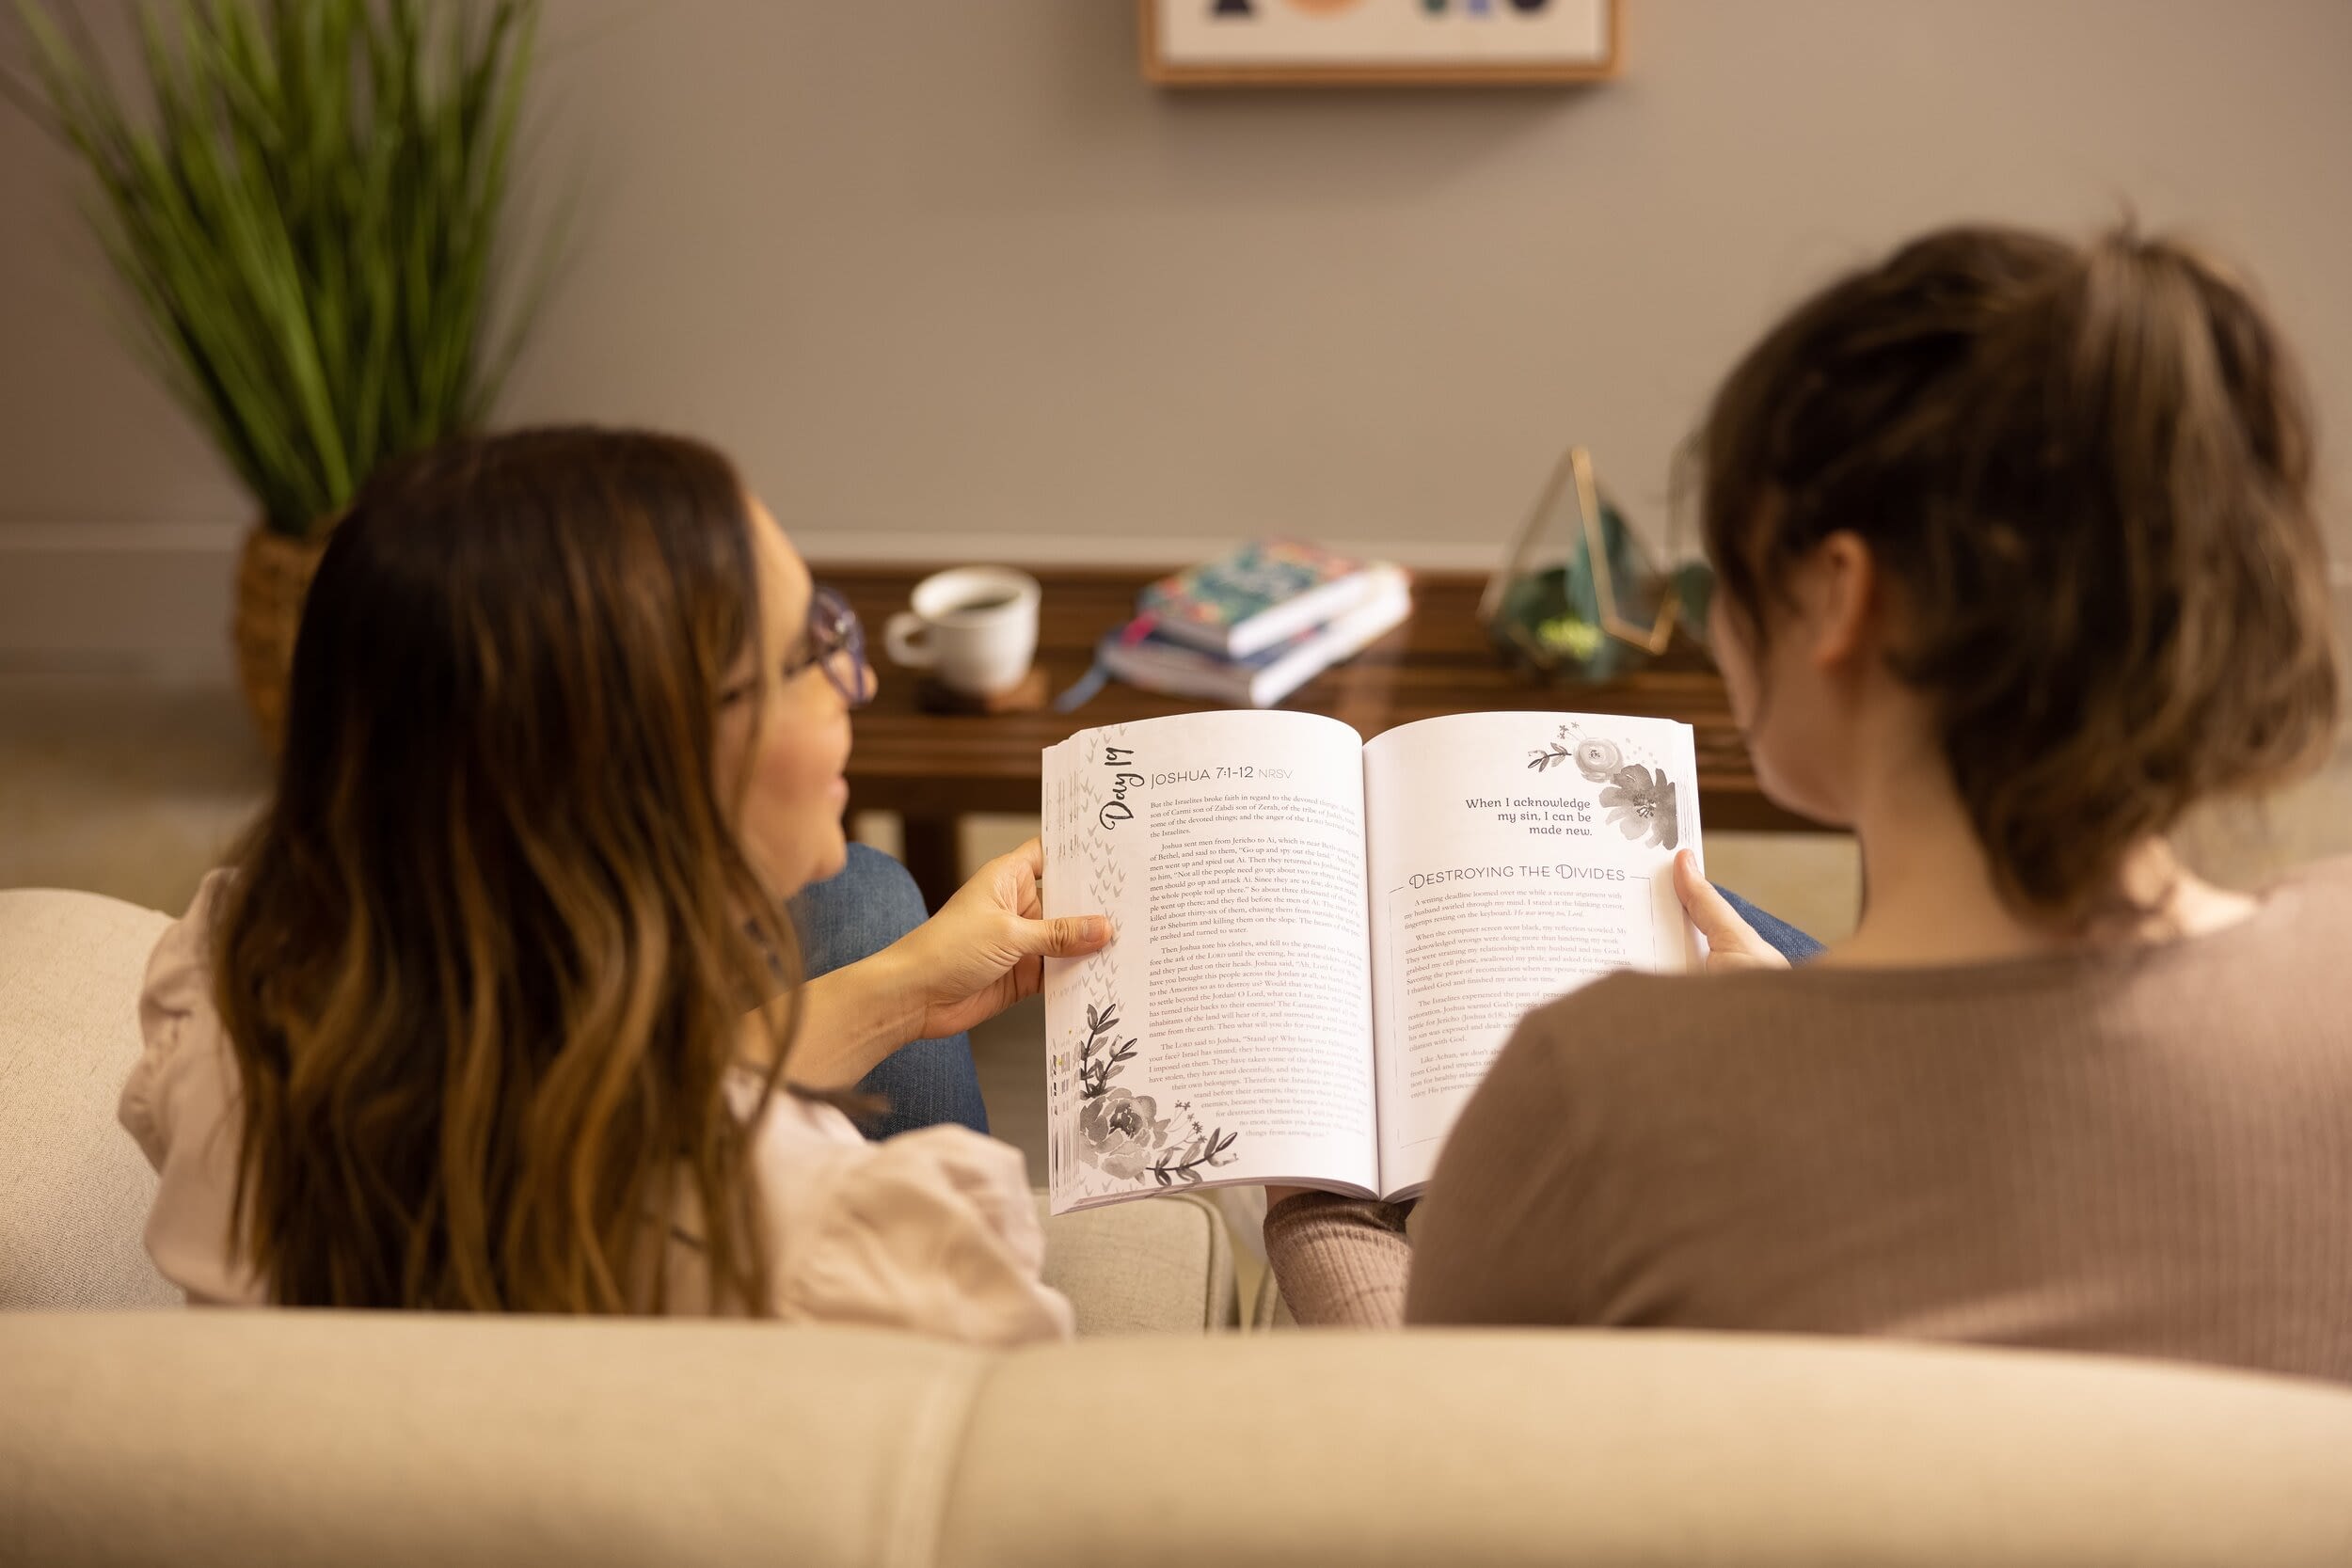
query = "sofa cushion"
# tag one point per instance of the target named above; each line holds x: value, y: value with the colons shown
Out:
x: 1163, y: 1265
x: 74, y: 1190
x: 1627, y: 1447
x: 408, y: 1438
x: 403, y: 1438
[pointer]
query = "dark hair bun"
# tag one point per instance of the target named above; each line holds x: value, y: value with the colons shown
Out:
x: 2087, y: 471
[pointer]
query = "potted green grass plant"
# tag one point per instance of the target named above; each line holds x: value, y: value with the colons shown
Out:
x: 302, y: 199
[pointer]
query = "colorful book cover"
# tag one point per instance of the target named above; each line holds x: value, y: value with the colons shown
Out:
x: 1156, y: 662
x: 1255, y: 596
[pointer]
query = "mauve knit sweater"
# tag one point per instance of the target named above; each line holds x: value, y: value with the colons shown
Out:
x: 2148, y: 1153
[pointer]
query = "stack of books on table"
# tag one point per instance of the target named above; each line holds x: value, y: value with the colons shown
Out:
x: 1252, y: 626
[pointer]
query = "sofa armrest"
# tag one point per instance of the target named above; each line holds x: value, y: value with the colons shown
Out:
x: 1163, y: 1266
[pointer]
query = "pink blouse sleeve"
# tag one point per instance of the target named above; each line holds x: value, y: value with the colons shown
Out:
x: 174, y: 994
x: 932, y: 1231
x: 180, y: 1104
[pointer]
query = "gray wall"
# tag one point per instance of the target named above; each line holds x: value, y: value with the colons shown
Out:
x: 949, y: 279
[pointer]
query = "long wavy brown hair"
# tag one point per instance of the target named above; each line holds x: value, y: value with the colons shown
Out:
x: 486, y: 959
x: 2086, y: 472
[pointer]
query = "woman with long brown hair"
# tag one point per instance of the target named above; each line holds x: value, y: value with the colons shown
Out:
x: 499, y: 1005
x: 2018, y: 564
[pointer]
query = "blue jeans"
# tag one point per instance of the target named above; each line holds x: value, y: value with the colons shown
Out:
x: 872, y: 904
x: 1787, y: 940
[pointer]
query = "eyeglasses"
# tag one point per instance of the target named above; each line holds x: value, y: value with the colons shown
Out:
x: 836, y: 641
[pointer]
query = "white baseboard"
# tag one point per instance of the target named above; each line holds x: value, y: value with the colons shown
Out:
x: 115, y: 597
x: 117, y: 538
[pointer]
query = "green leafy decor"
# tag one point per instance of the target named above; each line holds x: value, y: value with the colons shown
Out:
x: 303, y: 200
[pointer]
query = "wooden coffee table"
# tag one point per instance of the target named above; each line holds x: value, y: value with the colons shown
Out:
x: 931, y: 768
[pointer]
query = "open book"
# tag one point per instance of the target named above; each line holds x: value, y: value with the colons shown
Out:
x: 1323, y: 942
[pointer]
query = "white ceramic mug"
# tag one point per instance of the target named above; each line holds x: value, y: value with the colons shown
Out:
x: 972, y: 627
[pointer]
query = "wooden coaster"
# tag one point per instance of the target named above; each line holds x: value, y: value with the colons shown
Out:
x: 1028, y: 697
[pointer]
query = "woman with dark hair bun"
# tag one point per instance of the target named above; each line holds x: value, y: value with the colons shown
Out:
x: 485, y: 1014
x: 2017, y: 564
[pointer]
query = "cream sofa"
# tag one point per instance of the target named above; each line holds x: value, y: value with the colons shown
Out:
x: 138, y: 1436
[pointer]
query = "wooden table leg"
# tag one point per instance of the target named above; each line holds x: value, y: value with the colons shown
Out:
x: 928, y: 847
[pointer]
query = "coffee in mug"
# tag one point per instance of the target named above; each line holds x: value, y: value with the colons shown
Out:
x: 972, y: 627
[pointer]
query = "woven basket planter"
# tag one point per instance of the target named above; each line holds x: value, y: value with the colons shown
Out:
x: 274, y: 574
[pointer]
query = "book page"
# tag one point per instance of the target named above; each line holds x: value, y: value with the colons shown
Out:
x: 1513, y: 857
x: 1225, y: 1035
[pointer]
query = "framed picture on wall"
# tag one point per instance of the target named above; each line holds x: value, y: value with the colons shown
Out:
x: 1341, y: 42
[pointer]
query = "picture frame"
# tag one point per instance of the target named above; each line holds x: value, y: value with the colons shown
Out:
x: 1226, y: 43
